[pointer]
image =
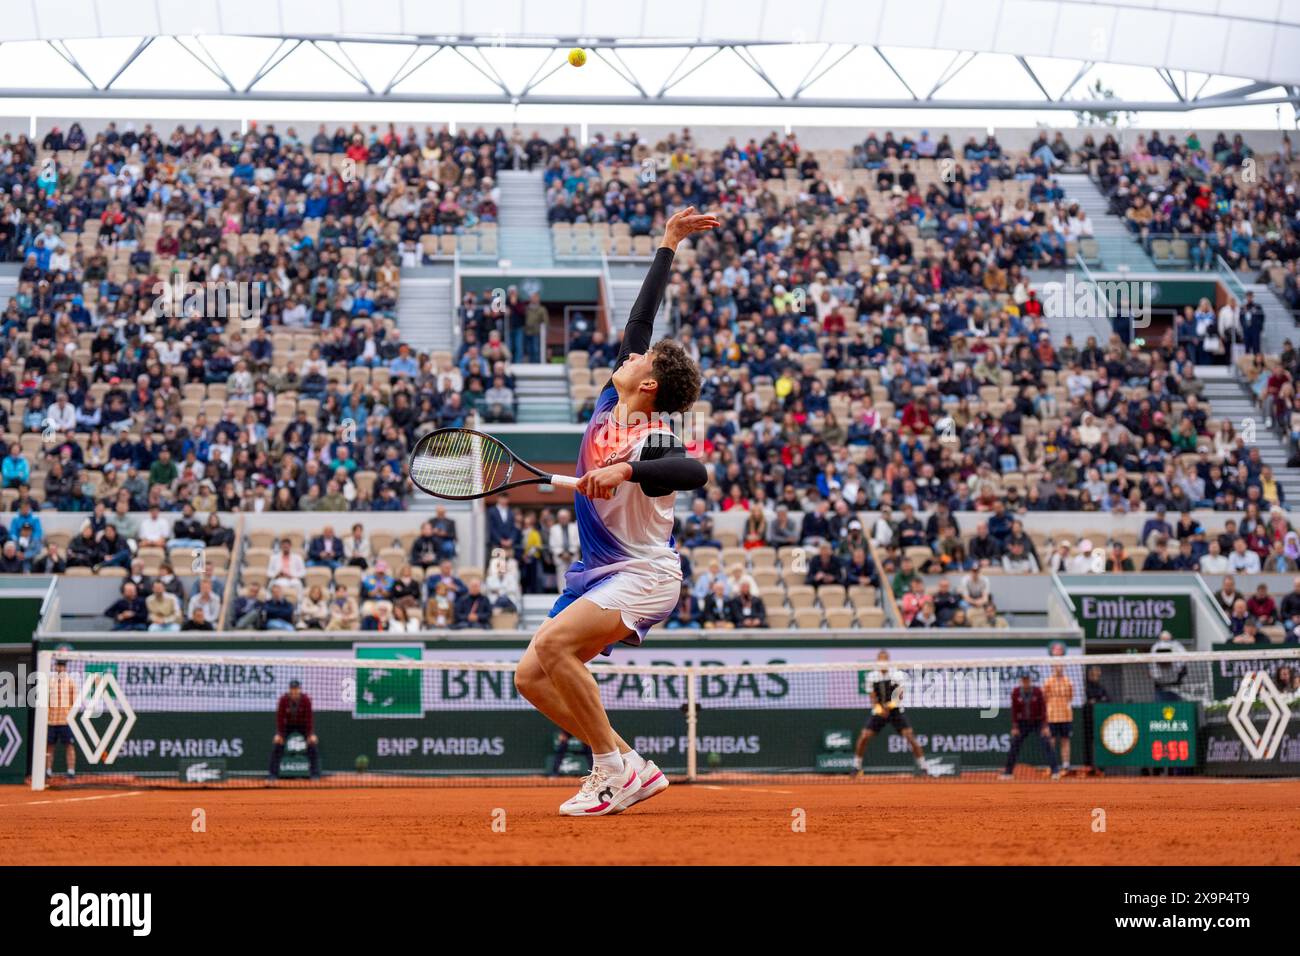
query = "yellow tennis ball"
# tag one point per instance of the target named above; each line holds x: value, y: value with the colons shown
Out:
x: 577, y: 56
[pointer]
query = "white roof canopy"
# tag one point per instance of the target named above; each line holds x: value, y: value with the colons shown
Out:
x: 1257, y: 40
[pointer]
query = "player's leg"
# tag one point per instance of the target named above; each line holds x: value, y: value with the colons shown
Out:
x: 1065, y: 747
x: 860, y: 747
x: 537, y: 688
x: 573, y: 637
x: 72, y: 759
x: 49, y: 759
x: 918, y: 754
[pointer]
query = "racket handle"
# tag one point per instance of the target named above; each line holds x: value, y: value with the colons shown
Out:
x: 564, y: 481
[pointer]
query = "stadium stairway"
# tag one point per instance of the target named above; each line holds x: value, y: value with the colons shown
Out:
x: 8, y: 283
x: 1114, y: 242
x: 1232, y: 400
x: 624, y: 283
x: 425, y: 309
x: 523, y: 227
x: 542, y: 393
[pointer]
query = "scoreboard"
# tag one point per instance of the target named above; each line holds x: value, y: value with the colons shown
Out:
x: 1145, y: 735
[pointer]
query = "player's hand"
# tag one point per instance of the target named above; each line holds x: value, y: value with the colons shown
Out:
x: 603, y: 482
x: 685, y: 222
x: 313, y: 740
x: 277, y: 739
x: 878, y: 710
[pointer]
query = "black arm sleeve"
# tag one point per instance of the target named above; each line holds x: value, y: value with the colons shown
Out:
x: 664, y: 469
x: 641, y: 320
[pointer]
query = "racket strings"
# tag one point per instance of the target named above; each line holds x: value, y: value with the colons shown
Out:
x: 460, y: 464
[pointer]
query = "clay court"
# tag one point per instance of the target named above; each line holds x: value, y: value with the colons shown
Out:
x: 1147, y: 822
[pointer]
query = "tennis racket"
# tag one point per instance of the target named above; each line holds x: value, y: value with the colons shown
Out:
x: 461, y: 464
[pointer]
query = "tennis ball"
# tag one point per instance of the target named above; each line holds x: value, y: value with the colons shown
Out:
x: 714, y: 759
x: 577, y: 56
x: 363, y: 763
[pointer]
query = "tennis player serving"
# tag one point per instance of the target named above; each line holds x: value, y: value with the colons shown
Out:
x: 630, y: 468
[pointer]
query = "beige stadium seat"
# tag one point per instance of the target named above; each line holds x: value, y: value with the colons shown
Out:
x: 732, y: 556
x: 808, y: 618
x: 839, y: 618
x: 253, y: 576
x: 778, y: 617
x: 792, y: 578
x: 765, y: 578
x: 801, y: 596
x: 764, y: 557
x: 349, y: 576
x: 831, y: 595
x: 505, y: 621
x: 260, y: 538
x: 863, y: 596
x: 871, y: 617
x: 701, y: 557
x: 318, y: 577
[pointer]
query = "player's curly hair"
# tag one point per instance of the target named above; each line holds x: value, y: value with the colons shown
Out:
x: 678, y: 377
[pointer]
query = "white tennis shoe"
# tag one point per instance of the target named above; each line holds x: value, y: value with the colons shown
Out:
x: 602, y: 793
x: 653, y: 780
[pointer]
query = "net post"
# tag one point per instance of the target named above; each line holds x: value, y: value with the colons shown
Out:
x: 690, y: 724
x: 44, y: 663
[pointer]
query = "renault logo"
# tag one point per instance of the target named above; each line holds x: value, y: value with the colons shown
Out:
x: 1260, y: 744
x: 101, y: 694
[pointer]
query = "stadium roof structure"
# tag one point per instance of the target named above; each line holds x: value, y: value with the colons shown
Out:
x: 462, y: 51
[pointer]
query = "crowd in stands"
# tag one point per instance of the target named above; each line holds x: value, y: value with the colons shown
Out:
x: 869, y: 338
x: 229, y: 298
x: 1225, y: 200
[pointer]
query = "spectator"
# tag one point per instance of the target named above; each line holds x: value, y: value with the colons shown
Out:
x: 324, y: 550
x: 715, y: 609
x: 205, y: 600
x: 313, y: 609
x: 128, y: 612
x: 249, y: 613
x: 747, y: 608
x: 343, y: 612
x: 278, y: 611
x: 440, y: 610
x: 285, y: 568
x: 163, y: 608
x: 564, y: 545
x: 473, y: 609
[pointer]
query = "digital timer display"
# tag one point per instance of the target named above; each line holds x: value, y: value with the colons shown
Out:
x: 1145, y: 735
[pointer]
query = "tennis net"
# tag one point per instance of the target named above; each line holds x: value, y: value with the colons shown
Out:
x: 380, y: 719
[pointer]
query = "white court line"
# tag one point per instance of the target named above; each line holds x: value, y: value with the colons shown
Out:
x: 704, y: 786
x: 102, y: 796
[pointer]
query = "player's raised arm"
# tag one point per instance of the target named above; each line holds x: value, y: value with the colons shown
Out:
x: 641, y: 320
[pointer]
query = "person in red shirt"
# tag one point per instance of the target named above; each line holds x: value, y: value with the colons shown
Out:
x: 1029, y: 719
x: 1261, y: 606
x: 293, y: 715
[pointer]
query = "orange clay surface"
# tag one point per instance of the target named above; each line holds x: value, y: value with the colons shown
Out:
x: 1153, y: 821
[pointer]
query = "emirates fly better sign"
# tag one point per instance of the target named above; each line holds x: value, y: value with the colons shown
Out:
x: 1118, y: 618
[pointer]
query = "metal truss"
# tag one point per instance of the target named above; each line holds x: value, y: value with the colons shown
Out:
x: 478, y: 53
